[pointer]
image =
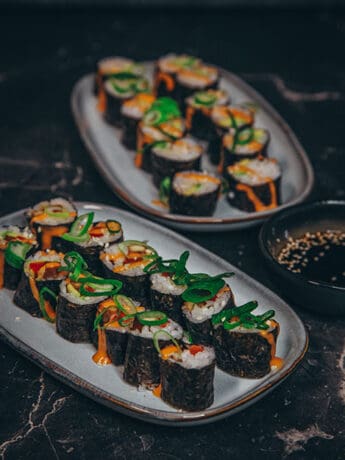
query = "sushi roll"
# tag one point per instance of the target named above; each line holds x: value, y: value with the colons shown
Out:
x: 170, y: 157
x: 119, y: 90
x: 199, y: 78
x: 77, y: 305
x: 187, y: 376
x: 223, y: 119
x: 132, y: 111
x: 88, y: 238
x: 162, y: 122
x: 44, y: 270
x: 110, y: 67
x: 166, y: 70
x: 168, y: 283
x: 245, y: 343
x: 49, y: 220
x: 15, y: 245
x: 199, y: 109
x: 240, y: 145
x: 199, y: 310
x: 141, y: 366
x: 194, y: 193
x: 254, y: 185
x: 126, y: 262
x: 110, y: 334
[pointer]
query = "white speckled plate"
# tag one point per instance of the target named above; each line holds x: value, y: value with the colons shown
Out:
x: 135, y: 187
x: 72, y: 363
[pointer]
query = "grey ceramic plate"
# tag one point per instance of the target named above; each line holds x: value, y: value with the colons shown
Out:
x: 72, y: 363
x: 134, y: 187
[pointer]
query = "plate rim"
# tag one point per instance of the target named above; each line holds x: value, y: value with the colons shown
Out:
x: 174, y: 219
x: 137, y: 411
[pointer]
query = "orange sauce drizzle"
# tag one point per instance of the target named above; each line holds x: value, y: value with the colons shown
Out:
x: 34, y: 289
x: 49, y: 309
x: 101, y: 356
x: 168, y: 351
x: 49, y: 232
x: 258, y: 204
x: 167, y: 79
x: 275, y: 361
x: 2, y: 268
x: 189, y: 116
x: 157, y: 391
x: 159, y: 203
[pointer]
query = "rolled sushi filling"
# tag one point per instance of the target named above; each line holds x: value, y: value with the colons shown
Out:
x: 198, y: 77
x: 128, y: 258
x: 250, y: 141
x: 195, y: 183
x: 250, y: 176
x: 37, y: 289
x: 204, y: 101
x: 125, y: 88
x: 137, y: 106
x: 100, y: 234
x: 200, y: 312
x: 49, y: 219
x: 232, y: 116
x: 15, y: 243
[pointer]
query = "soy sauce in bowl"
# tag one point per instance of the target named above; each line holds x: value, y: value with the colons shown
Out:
x: 318, y: 256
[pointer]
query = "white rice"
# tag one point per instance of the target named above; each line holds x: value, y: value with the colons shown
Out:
x: 217, y: 114
x: 182, y: 184
x: 153, y: 132
x: 200, y: 312
x: 264, y: 169
x: 165, y: 285
x: 50, y: 220
x: 198, y: 361
x: 24, y: 232
x: 185, y: 149
x: 169, y: 63
x: 45, y: 256
x: 172, y: 328
x: 78, y: 300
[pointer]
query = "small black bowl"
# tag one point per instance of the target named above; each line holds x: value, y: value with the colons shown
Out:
x: 320, y: 297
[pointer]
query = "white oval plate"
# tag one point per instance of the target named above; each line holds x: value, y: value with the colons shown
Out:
x: 135, y: 187
x: 36, y: 339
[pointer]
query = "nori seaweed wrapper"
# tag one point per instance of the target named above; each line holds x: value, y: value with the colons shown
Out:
x: 160, y: 86
x: 193, y: 205
x: 75, y: 322
x: 243, y: 354
x: 129, y: 131
x: 215, y: 146
x: 163, y: 167
x: 202, y: 125
x: 116, y: 344
x: 141, y: 366
x: 202, y: 333
x: 24, y: 299
x: 136, y: 287
x: 169, y: 304
x: 240, y: 200
x: 11, y: 276
x: 112, y: 112
x: 187, y: 389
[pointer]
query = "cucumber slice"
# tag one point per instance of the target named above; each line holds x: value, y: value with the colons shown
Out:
x: 205, y: 98
x: 153, y: 117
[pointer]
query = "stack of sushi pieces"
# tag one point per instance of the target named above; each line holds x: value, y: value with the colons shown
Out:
x: 166, y: 327
x: 174, y: 121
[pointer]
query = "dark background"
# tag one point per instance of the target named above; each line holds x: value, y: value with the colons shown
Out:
x: 295, y: 58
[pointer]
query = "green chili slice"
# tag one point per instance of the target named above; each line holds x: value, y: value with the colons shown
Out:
x: 113, y: 226
x: 126, y: 321
x: 152, y: 318
x: 46, y: 291
x: 164, y: 190
x: 170, y: 337
x: 79, y: 229
x: 15, y: 253
x: 91, y: 284
x: 125, y: 304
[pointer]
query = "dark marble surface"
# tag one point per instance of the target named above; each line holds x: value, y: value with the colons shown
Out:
x: 297, y: 61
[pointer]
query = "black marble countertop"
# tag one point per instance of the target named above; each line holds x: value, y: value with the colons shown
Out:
x: 296, y: 60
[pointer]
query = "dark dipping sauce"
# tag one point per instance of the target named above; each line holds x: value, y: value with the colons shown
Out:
x: 317, y: 256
